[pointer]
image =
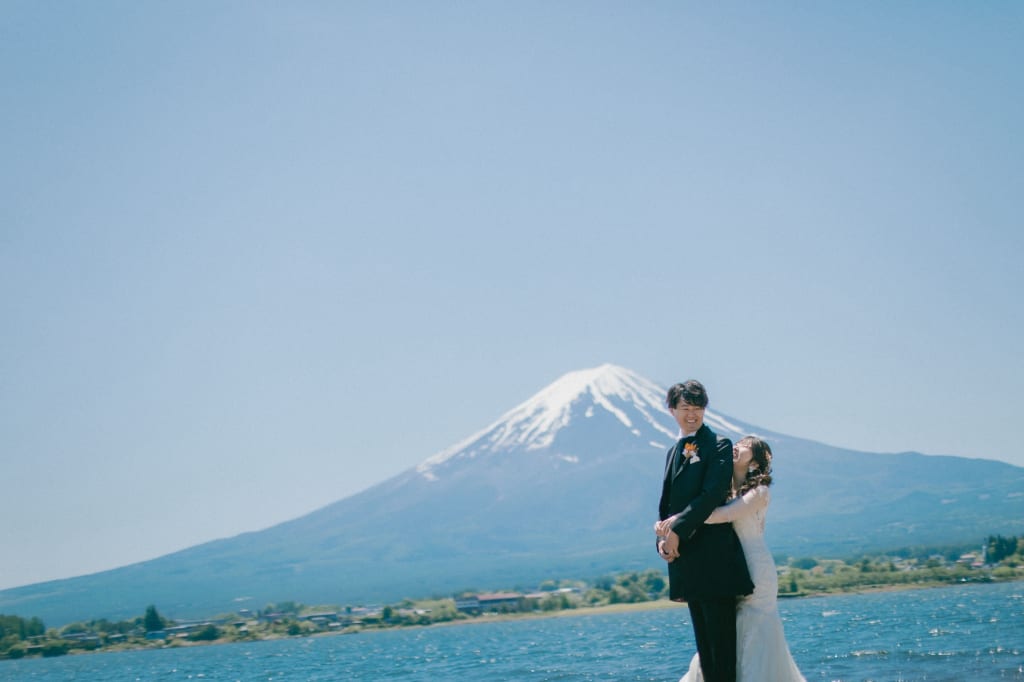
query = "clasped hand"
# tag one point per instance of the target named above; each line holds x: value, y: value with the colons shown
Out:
x: 668, y: 545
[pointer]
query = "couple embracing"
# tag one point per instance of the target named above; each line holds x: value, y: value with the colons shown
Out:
x: 711, y: 533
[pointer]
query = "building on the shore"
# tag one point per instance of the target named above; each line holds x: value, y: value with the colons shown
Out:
x: 493, y: 602
x: 508, y: 602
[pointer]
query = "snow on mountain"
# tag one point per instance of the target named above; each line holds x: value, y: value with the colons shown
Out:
x: 636, y: 403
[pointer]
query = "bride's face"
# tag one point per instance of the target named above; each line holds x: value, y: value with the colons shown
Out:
x: 742, y: 454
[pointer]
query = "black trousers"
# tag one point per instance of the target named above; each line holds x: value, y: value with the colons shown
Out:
x: 714, y: 627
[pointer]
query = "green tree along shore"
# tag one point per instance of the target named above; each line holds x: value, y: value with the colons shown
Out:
x: 1000, y: 558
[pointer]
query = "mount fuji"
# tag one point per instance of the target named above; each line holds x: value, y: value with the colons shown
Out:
x: 565, y: 485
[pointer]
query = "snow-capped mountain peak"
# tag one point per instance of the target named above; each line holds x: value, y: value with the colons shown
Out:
x: 635, y: 402
x: 543, y: 415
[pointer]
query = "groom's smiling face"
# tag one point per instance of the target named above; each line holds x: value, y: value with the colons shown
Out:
x: 689, y: 417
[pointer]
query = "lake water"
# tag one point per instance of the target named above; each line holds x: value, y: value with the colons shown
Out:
x: 971, y: 632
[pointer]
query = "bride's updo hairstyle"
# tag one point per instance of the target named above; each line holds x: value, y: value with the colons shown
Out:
x: 762, y: 460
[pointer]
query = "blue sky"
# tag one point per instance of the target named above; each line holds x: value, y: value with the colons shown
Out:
x: 255, y: 257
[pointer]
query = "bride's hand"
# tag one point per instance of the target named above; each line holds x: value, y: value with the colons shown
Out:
x: 663, y: 527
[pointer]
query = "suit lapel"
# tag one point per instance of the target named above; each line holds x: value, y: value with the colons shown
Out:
x: 700, y: 439
x: 671, y: 471
x: 678, y: 457
x: 704, y: 439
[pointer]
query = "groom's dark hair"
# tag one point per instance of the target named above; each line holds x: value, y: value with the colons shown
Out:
x: 690, y: 392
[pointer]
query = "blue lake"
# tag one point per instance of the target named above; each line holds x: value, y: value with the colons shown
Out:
x: 971, y: 632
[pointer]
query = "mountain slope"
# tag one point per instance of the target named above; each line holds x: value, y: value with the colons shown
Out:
x: 563, y: 485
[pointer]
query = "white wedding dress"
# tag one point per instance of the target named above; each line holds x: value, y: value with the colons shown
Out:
x: 761, y: 651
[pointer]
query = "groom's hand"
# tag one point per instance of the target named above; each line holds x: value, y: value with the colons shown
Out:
x: 669, y: 547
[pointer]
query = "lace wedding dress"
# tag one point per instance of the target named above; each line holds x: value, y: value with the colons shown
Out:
x: 761, y: 651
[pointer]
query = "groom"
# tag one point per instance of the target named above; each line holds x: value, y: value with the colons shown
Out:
x: 706, y: 564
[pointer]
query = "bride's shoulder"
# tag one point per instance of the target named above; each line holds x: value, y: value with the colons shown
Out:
x: 759, y: 495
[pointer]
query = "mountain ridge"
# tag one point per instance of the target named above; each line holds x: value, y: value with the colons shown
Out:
x: 565, y: 484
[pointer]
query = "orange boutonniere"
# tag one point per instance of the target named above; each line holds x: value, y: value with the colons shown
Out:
x: 690, y: 452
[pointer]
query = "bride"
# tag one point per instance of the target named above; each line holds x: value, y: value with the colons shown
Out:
x: 761, y: 650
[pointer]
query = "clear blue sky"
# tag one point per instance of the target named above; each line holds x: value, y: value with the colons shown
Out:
x: 257, y: 256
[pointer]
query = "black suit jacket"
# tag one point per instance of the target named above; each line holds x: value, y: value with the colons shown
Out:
x: 711, y: 562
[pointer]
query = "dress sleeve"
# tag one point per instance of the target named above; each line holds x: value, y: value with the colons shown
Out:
x: 750, y: 502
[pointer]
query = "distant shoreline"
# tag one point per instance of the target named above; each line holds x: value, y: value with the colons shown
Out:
x: 654, y: 605
x: 604, y: 609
